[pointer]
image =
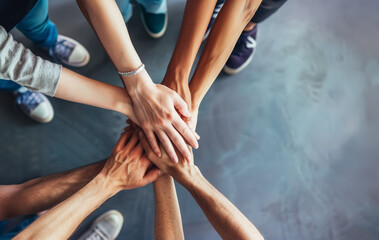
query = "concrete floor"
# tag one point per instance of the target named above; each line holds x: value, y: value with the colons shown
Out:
x: 292, y: 140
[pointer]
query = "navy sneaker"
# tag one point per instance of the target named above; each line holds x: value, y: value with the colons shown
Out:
x: 216, y: 11
x: 69, y: 52
x: 35, y: 105
x: 155, y: 24
x: 243, y: 52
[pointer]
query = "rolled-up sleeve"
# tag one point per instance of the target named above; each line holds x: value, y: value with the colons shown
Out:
x: 20, y: 65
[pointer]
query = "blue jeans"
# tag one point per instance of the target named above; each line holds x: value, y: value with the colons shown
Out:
x: 37, y: 27
x: 151, y: 6
x: 11, y: 234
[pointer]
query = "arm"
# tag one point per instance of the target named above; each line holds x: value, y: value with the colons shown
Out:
x: 43, y: 193
x: 224, y: 34
x: 50, y: 78
x: 157, y: 107
x: 77, y: 88
x: 228, y: 26
x: 196, y: 18
x: 227, y: 220
x: 168, y: 222
x: 125, y: 169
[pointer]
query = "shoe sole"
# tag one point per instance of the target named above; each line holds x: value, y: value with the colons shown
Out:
x: 155, y: 35
x: 79, y: 64
x: 232, y: 71
x: 51, y: 110
x: 106, y: 214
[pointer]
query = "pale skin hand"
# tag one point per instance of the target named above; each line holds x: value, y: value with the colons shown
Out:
x: 155, y: 106
x: 159, y: 111
x: 227, y: 220
x: 125, y: 169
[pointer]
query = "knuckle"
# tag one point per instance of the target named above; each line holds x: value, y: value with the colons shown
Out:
x: 161, y: 121
x: 145, y: 124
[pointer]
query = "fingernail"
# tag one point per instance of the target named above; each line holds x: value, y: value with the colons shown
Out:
x: 196, y: 145
x: 159, y: 154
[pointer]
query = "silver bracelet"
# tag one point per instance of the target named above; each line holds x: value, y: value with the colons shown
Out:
x: 134, y: 72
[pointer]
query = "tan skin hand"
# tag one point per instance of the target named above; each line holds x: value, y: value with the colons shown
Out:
x: 181, y: 169
x: 127, y: 167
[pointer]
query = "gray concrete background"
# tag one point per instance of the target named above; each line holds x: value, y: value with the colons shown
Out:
x: 292, y: 140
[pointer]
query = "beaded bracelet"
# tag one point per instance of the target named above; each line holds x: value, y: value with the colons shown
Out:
x: 134, y: 72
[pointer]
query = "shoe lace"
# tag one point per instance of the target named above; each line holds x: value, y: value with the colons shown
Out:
x: 29, y: 100
x: 244, y: 41
x: 63, y: 49
x: 217, y: 9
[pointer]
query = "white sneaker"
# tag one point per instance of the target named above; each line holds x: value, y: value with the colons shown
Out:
x: 105, y: 227
x: 35, y: 105
x: 69, y: 52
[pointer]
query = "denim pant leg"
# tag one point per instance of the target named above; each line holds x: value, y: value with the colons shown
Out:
x: 8, y: 85
x: 19, y: 228
x: 154, y: 6
x: 37, y: 27
x: 266, y: 9
x: 125, y: 8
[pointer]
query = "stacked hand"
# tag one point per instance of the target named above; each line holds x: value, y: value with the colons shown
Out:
x: 127, y: 167
x: 160, y: 111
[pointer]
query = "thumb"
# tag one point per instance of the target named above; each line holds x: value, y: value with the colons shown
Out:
x: 181, y: 106
x: 151, y: 176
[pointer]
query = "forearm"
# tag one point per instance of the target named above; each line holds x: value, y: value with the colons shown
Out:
x: 168, y: 222
x: 225, y: 32
x: 227, y: 220
x: 77, y: 88
x: 43, y: 193
x: 108, y: 23
x: 62, y: 220
x: 197, y: 14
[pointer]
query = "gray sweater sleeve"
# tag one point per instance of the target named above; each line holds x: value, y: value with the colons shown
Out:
x: 20, y: 65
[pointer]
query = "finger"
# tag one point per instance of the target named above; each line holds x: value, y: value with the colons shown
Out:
x: 153, y: 142
x: 181, y: 106
x: 167, y: 145
x: 145, y: 144
x: 146, y: 163
x: 188, y: 121
x: 179, y: 142
x: 132, y: 143
x: 128, y: 128
x: 186, y: 132
x: 151, y: 176
x: 122, y: 141
x: 137, y: 151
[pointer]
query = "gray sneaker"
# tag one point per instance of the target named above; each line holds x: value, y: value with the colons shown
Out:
x: 105, y: 227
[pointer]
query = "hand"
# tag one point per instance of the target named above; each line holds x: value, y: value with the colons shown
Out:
x: 159, y: 111
x: 182, y: 89
x: 181, y: 171
x: 127, y: 168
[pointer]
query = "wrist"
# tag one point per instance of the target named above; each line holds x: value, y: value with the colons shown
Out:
x: 122, y: 102
x: 196, y: 97
x: 191, y: 176
x: 107, y: 185
x: 136, y: 82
